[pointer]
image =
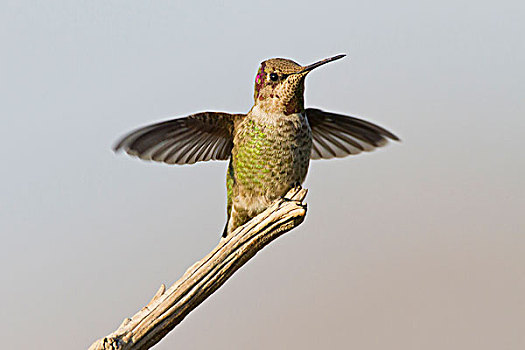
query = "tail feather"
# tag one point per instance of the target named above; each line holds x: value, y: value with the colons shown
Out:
x: 225, y: 231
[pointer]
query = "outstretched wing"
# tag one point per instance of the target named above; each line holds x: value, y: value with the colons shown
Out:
x: 336, y: 135
x: 198, y: 137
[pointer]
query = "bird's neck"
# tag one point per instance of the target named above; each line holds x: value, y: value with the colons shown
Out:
x: 271, y: 117
x: 273, y: 105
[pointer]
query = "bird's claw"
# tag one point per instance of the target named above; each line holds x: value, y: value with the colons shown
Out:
x: 290, y: 195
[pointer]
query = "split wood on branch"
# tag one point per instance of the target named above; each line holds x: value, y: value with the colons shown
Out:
x: 169, y: 307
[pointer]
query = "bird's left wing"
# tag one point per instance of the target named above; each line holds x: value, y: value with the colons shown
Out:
x: 336, y: 135
x: 198, y: 137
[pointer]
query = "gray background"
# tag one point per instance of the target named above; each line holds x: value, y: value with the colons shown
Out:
x: 419, y: 245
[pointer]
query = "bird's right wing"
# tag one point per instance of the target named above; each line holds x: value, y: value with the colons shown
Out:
x: 198, y: 137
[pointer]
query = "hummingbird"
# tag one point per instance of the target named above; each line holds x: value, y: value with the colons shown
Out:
x: 268, y: 149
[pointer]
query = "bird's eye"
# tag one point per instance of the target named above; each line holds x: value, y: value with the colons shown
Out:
x: 274, y: 77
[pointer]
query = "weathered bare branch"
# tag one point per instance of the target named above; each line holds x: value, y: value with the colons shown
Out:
x: 169, y: 307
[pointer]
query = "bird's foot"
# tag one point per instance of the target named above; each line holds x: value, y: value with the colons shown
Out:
x: 290, y: 195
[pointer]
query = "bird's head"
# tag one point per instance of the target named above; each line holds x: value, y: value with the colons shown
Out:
x: 279, y: 84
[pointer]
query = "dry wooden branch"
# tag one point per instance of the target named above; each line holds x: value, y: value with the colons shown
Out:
x: 169, y: 307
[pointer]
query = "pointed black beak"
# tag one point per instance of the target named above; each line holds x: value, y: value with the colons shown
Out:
x: 312, y: 66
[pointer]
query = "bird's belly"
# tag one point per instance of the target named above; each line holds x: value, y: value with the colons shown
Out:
x: 268, y: 161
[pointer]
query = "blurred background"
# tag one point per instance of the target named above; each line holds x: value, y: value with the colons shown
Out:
x: 418, y: 245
